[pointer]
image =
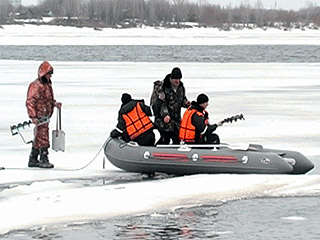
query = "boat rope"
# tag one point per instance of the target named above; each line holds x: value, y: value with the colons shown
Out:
x: 91, y: 161
x: 74, y: 169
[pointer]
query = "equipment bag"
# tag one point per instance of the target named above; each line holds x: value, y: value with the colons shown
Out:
x: 58, y: 136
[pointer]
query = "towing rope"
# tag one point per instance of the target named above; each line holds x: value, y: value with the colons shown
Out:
x: 75, y: 169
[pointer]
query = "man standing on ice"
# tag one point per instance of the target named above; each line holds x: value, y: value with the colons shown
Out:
x: 40, y: 104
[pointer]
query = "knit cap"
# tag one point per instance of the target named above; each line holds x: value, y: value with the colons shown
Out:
x: 202, y: 98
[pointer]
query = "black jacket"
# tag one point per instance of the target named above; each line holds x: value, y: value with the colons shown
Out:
x: 168, y: 102
x: 200, y: 122
x: 120, y: 130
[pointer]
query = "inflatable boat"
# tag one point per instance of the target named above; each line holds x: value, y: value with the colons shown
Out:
x: 196, y: 159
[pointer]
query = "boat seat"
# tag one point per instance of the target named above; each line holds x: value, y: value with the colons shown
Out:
x: 255, y: 147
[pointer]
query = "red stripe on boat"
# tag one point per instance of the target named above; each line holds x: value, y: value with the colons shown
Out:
x: 226, y: 159
x: 171, y: 156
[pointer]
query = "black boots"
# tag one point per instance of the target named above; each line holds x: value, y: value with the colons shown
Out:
x: 33, y: 158
x: 44, y: 161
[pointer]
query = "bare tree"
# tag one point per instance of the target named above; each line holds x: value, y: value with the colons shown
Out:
x: 139, y: 9
x: 245, y: 12
x: 91, y: 7
x: 71, y: 8
x: 5, y: 9
x: 258, y: 12
x: 163, y: 12
x: 213, y: 16
x: 180, y: 10
x: 159, y: 11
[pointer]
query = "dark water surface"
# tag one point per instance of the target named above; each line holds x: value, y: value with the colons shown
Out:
x: 250, y: 219
x: 220, y: 54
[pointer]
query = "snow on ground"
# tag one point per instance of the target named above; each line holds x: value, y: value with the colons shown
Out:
x: 54, y: 202
x: 39, y: 197
x: 279, y: 114
x: 57, y: 35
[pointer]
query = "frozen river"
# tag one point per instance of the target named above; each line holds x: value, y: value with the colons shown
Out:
x: 279, y: 99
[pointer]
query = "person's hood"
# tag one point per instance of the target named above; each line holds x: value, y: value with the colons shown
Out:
x: 44, y: 68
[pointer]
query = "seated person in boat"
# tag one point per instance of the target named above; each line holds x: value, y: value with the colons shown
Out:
x: 134, y: 123
x: 195, y: 127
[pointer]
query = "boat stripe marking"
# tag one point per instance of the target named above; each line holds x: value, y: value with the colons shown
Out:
x: 168, y: 156
x: 227, y: 159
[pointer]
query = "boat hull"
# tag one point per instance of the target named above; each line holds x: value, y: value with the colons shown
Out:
x: 186, y: 160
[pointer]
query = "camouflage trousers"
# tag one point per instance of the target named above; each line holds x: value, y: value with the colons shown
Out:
x: 41, y: 136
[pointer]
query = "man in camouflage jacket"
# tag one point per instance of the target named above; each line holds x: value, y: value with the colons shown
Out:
x: 40, y: 104
x: 168, y: 96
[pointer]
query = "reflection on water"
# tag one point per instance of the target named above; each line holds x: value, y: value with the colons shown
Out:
x: 179, y: 224
x: 184, y: 223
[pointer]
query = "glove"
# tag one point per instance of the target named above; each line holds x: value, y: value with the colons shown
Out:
x: 114, y: 133
x: 34, y: 121
x: 220, y: 124
x: 58, y: 104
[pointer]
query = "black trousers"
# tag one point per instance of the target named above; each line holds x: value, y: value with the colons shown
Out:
x: 211, y: 139
x: 146, y: 139
x: 167, y: 136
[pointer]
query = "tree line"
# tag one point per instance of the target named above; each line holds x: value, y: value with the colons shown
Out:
x: 166, y: 13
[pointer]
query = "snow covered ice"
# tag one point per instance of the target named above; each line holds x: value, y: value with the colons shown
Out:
x: 57, y: 35
x: 274, y: 97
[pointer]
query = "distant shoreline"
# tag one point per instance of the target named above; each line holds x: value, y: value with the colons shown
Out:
x: 173, y: 25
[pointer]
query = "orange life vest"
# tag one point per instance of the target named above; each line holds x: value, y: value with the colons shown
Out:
x: 187, y: 130
x: 137, y: 122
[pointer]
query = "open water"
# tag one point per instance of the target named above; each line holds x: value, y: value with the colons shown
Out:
x: 250, y: 219
x: 295, y: 217
x: 222, y: 54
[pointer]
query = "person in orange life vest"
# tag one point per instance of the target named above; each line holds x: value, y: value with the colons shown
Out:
x: 134, y: 123
x: 195, y: 127
x: 40, y: 104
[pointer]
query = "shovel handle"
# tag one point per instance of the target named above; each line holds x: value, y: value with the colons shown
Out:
x: 58, y: 125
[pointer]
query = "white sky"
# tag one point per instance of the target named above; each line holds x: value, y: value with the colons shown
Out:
x: 280, y: 4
